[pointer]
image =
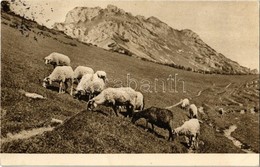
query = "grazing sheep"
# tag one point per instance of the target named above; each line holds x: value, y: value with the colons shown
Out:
x: 193, y: 110
x: 113, y: 97
x: 102, y: 74
x: 57, y: 59
x: 81, y: 89
x: 185, y: 103
x: 191, y: 130
x: 91, y: 85
x: 139, y: 102
x: 162, y: 118
x: 82, y: 70
x: 61, y: 74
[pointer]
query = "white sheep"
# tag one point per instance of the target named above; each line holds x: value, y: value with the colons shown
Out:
x: 185, y: 103
x: 90, y: 85
x: 191, y: 130
x: 102, y: 74
x: 61, y: 74
x: 193, y: 111
x: 82, y: 70
x: 113, y: 97
x: 139, y: 99
x: 57, y: 59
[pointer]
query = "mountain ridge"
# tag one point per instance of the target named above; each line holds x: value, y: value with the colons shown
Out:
x: 147, y: 38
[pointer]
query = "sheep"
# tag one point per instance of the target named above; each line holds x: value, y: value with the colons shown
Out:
x: 191, y: 130
x: 61, y: 74
x: 139, y: 102
x: 137, y: 96
x: 193, y: 111
x: 90, y: 84
x: 102, y: 74
x: 80, y: 71
x: 84, y: 83
x: 185, y: 103
x: 57, y: 59
x: 162, y: 118
x: 112, y: 97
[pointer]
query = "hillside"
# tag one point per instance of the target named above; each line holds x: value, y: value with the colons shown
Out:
x: 147, y: 38
x: 23, y: 68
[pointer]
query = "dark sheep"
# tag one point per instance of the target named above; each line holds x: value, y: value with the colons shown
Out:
x: 162, y: 118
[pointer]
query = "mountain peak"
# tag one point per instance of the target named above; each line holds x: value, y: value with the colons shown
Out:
x: 114, y: 29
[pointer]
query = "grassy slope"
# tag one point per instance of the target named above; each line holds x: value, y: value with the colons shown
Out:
x: 22, y: 66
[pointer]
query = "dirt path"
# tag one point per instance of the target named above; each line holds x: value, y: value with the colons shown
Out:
x: 25, y: 134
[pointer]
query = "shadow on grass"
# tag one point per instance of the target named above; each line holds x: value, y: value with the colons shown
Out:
x: 152, y: 131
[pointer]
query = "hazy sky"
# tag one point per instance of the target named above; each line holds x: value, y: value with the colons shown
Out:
x: 229, y: 27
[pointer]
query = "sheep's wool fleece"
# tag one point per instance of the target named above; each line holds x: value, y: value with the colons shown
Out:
x: 185, y: 102
x: 82, y: 70
x: 61, y: 73
x: 84, y: 82
x: 59, y: 58
x: 190, y: 127
x: 139, y: 99
x: 112, y: 95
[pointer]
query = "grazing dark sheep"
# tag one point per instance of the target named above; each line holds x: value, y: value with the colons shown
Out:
x: 162, y: 118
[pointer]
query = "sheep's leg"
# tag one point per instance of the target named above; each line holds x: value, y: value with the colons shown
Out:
x: 130, y: 110
x: 170, y: 134
x: 71, y: 87
x: 115, y: 110
x: 147, y: 128
x: 60, y: 88
x: 66, y: 86
x: 153, y: 128
x: 187, y: 141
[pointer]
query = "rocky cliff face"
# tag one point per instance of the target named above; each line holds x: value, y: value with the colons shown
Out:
x: 148, y: 38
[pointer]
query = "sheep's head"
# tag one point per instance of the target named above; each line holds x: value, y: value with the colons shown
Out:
x: 46, y: 82
x: 91, y: 105
x: 47, y: 60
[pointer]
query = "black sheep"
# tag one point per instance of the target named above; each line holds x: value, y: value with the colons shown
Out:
x: 160, y: 117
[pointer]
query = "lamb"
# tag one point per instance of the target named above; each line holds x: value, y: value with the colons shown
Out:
x: 90, y: 85
x: 112, y: 97
x: 102, y: 74
x: 191, y: 130
x: 61, y: 74
x: 193, y: 111
x: 185, y: 103
x: 162, y: 118
x: 82, y: 70
x: 57, y: 59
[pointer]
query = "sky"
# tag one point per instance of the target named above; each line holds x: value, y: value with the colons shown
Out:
x: 229, y: 27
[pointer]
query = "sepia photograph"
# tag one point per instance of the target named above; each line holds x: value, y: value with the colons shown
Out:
x: 91, y: 81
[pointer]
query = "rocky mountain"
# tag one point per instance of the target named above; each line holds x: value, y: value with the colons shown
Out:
x: 147, y: 38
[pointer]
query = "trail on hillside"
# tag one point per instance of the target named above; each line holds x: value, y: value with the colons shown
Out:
x: 25, y: 134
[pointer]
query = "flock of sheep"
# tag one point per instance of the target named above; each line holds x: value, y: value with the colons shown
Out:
x: 92, y: 85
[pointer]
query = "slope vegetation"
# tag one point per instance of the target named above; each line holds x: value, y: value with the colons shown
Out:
x: 25, y: 44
